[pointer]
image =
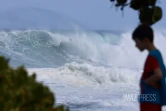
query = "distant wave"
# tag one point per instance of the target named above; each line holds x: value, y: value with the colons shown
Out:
x: 54, y: 48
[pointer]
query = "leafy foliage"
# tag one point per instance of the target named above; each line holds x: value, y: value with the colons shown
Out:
x: 149, y: 12
x: 21, y: 92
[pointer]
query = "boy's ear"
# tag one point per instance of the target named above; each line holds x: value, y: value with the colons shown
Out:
x: 146, y: 39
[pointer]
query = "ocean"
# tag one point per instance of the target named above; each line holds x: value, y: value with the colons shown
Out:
x: 86, y: 70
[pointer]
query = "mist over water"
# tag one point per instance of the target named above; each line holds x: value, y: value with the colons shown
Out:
x: 76, y: 63
x: 42, y: 48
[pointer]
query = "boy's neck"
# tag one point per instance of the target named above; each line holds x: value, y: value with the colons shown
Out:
x: 150, y: 47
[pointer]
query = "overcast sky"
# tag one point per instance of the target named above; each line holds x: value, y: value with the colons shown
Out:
x: 95, y: 14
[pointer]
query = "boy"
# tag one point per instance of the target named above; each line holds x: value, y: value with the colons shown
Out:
x: 152, y: 82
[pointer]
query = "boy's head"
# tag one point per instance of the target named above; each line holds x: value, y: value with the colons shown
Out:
x: 143, y: 36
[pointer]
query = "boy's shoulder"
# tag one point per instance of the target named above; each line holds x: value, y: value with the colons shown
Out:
x: 156, y: 54
x: 153, y: 60
x: 157, y: 58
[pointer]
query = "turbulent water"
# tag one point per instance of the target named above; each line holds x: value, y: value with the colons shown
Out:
x: 86, y: 70
x: 41, y: 48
